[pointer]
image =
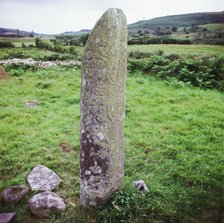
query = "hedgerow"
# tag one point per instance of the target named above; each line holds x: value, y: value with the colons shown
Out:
x: 204, y: 72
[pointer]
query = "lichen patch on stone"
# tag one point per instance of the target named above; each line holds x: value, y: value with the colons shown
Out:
x: 41, y: 178
x: 100, y: 135
x: 45, y: 203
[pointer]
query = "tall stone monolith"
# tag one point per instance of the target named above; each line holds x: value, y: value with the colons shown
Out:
x: 104, y: 74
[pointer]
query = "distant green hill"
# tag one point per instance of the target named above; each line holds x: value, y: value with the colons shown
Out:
x: 81, y: 32
x: 16, y: 33
x: 183, y: 20
x: 192, y: 28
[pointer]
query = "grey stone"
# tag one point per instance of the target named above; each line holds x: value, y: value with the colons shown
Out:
x: 141, y: 186
x: 42, y: 178
x: 31, y: 104
x: 6, y: 217
x: 15, y: 193
x: 45, y: 203
x: 104, y: 74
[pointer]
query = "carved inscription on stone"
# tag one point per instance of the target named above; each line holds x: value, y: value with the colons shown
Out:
x: 102, y: 109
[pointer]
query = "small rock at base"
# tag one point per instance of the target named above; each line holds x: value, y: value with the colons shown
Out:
x: 45, y: 203
x: 141, y: 186
x: 6, y: 217
x: 31, y: 103
x: 15, y: 193
x: 43, y: 179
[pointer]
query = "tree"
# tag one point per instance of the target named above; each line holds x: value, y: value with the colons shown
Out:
x: 59, y: 48
x: 74, y: 42
x: 37, y: 42
x: 174, y: 29
x: 23, y: 45
x: 139, y: 31
x: 31, y: 34
x: 17, y: 33
x: 84, y: 39
x: 193, y: 28
x: 43, y: 44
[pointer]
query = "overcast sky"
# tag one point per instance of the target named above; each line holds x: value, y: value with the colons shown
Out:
x: 56, y: 16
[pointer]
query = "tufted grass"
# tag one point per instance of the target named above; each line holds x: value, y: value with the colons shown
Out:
x: 173, y: 141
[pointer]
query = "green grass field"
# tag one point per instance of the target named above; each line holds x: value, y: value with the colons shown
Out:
x: 213, y: 26
x: 180, y: 49
x: 173, y: 141
x: 201, y: 50
x: 24, y: 53
x: 19, y: 41
x: 34, y: 53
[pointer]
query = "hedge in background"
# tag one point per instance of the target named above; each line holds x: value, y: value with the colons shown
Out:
x: 206, y: 72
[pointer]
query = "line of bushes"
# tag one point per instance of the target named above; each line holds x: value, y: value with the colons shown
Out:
x: 18, y: 69
x: 58, y: 48
x: 6, y: 44
x: 206, y: 72
x: 157, y: 40
x: 45, y: 57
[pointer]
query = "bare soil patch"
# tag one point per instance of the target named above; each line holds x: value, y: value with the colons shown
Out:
x: 3, y: 74
x: 66, y: 147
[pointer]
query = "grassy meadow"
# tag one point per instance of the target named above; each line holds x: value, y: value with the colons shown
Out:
x: 213, y: 26
x: 167, y: 49
x: 19, y: 41
x: 180, y: 49
x: 173, y: 141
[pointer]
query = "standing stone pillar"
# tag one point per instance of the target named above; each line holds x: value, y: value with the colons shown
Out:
x: 104, y: 74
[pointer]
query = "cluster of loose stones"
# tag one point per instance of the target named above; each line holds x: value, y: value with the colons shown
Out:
x: 43, y: 180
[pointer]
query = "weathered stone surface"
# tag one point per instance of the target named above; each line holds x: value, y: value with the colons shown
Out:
x: 42, y: 178
x: 14, y: 194
x: 6, y: 217
x: 102, y: 109
x: 45, y: 203
x: 141, y: 186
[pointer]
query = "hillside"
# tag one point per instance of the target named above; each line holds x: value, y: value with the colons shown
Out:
x: 203, y: 28
x: 16, y: 33
x: 183, y: 20
x: 7, y: 32
x: 81, y: 32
